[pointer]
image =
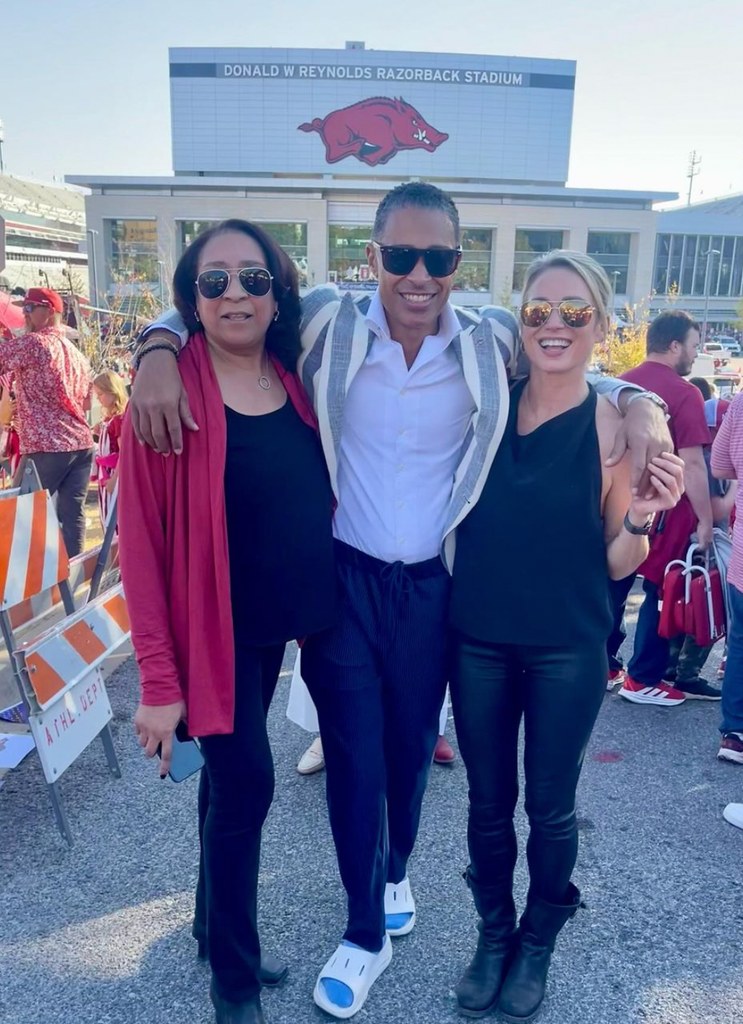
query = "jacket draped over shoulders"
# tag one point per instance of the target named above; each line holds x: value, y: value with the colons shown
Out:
x: 174, y: 556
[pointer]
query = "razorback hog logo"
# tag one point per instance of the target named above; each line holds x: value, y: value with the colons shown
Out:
x: 374, y: 130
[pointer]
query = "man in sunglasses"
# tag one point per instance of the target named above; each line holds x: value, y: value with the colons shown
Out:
x: 412, y: 399
x: 52, y: 382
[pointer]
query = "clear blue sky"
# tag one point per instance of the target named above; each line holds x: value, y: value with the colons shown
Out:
x: 84, y: 83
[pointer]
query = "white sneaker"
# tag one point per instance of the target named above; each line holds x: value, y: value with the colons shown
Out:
x: 312, y: 760
x: 734, y: 814
x: 616, y: 676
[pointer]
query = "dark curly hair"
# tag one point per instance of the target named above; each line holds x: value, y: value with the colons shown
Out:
x: 282, y: 337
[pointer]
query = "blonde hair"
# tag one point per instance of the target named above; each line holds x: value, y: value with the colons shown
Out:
x: 112, y: 384
x: 591, y: 273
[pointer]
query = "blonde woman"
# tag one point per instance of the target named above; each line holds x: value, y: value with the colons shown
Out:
x: 530, y: 618
x: 110, y: 392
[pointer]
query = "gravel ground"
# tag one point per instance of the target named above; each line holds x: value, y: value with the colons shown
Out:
x: 100, y: 933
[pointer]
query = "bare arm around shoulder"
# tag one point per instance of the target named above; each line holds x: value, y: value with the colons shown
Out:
x: 643, y: 431
x: 159, y: 404
x: 625, y: 551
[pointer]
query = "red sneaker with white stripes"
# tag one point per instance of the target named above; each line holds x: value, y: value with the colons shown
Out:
x: 663, y: 695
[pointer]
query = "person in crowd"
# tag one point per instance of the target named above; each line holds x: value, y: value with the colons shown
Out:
x: 110, y: 391
x: 222, y: 566
x: 672, y: 342
x: 727, y: 464
x: 443, y: 752
x: 52, y: 382
x: 412, y: 398
x: 10, y: 448
x: 530, y: 617
x: 301, y: 710
x: 688, y: 658
x: 715, y: 408
x: 313, y: 759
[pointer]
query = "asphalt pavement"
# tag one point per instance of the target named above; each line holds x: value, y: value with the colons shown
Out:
x: 100, y: 933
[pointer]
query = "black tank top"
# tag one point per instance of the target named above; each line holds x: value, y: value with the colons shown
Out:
x: 279, y: 507
x: 530, y: 565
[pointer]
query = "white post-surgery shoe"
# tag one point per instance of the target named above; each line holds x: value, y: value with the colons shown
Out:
x: 399, y: 908
x: 355, y: 968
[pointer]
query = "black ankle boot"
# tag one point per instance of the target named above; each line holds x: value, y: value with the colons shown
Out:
x: 478, y: 988
x: 523, y: 989
x: 248, y: 1012
x: 272, y: 970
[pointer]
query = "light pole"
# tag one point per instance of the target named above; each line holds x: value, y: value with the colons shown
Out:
x: 161, y: 281
x: 93, y: 263
x: 614, y: 274
x: 708, y: 253
x: 92, y: 236
x: 2, y: 140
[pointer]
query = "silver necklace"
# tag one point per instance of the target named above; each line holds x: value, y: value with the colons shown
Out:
x: 264, y: 382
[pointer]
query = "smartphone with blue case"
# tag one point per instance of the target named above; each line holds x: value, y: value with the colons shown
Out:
x: 186, y: 758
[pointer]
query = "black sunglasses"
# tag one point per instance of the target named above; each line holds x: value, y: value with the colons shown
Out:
x: 253, y: 280
x: 572, y: 312
x: 400, y: 259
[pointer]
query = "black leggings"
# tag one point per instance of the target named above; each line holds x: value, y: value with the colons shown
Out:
x: 558, y: 691
x: 235, y: 795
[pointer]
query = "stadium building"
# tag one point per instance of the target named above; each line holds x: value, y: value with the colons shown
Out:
x: 42, y: 236
x: 308, y: 141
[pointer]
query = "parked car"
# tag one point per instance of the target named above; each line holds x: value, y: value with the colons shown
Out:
x: 732, y: 345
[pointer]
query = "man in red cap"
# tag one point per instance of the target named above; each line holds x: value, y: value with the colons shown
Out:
x: 52, y: 381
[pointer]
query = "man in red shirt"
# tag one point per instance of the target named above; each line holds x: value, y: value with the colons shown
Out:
x: 52, y: 381
x: 672, y: 342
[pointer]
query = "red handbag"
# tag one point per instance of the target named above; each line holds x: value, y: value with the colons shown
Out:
x: 672, y: 602
x: 692, y: 599
x: 705, y: 603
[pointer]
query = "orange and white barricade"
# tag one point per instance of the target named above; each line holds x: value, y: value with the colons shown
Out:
x: 58, y: 672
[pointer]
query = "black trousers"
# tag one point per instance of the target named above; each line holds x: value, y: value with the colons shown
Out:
x: 558, y: 692
x: 235, y: 794
x: 66, y: 474
x: 378, y: 680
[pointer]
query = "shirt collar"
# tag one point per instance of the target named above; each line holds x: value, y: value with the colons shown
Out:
x: 376, y: 321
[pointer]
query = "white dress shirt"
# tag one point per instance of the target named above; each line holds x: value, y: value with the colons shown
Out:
x: 402, y: 437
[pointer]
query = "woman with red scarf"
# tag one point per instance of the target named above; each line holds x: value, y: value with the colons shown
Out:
x: 222, y: 564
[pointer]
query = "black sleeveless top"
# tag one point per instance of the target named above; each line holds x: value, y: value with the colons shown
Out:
x: 530, y: 565
x: 279, y: 507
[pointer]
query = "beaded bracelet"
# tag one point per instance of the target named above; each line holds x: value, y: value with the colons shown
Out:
x: 164, y: 345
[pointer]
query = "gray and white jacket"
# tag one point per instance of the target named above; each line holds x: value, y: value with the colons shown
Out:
x: 336, y: 340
